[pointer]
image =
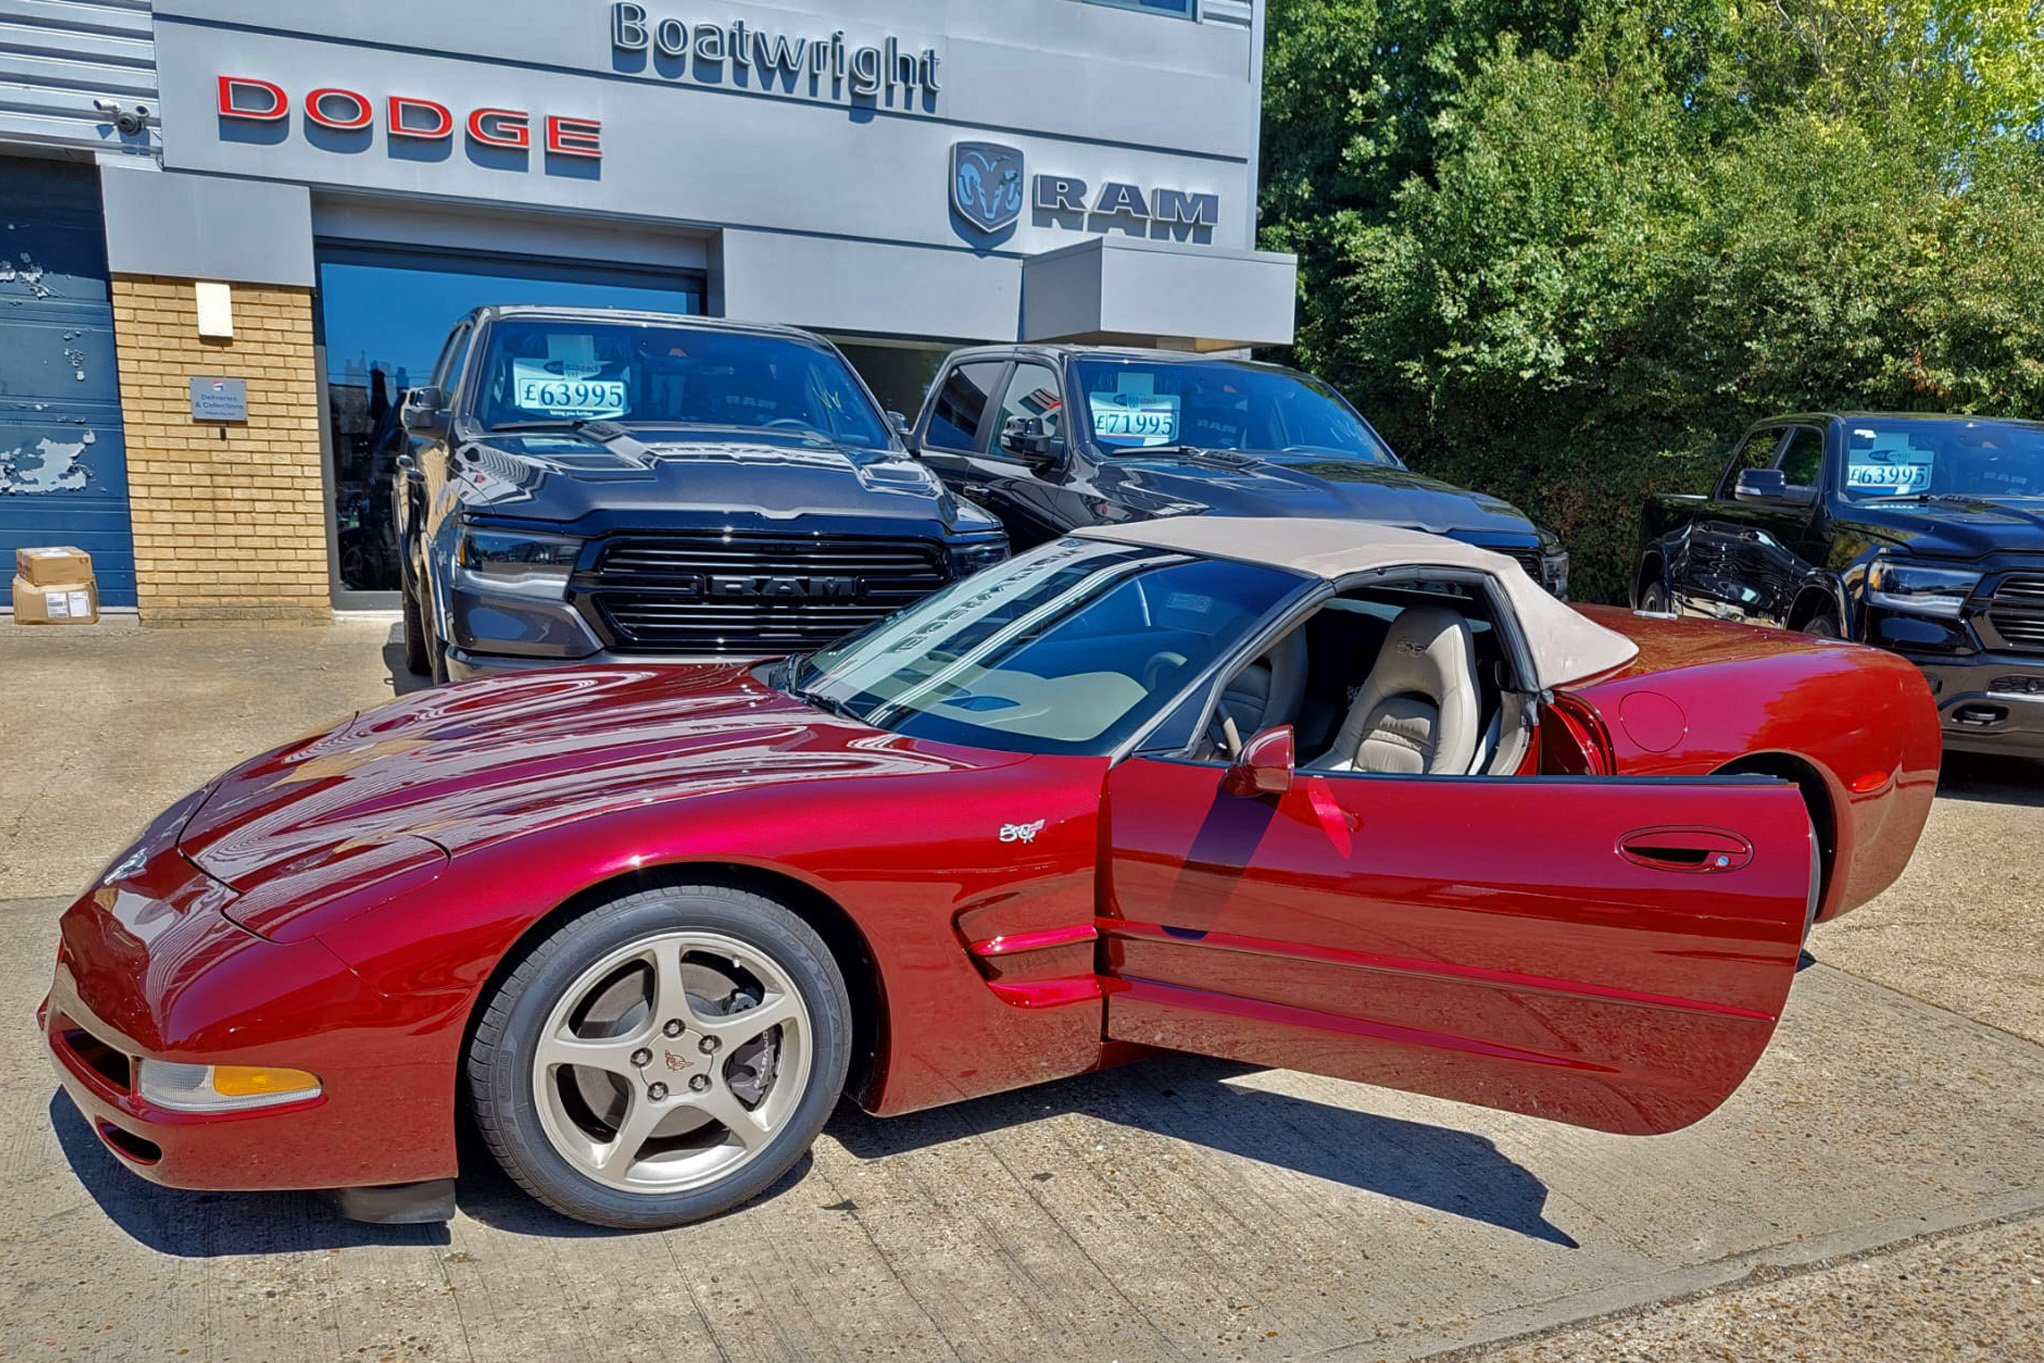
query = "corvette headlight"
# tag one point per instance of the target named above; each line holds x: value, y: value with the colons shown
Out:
x: 513, y: 559
x: 221, y: 1088
x: 1917, y: 589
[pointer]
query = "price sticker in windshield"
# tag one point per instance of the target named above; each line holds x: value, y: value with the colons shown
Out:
x: 1893, y: 478
x: 1135, y: 418
x: 538, y: 387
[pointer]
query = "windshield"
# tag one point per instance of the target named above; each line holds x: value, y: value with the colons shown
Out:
x: 1070, y: 648
x: 552, y: 371
x: 1955, y: 457
x: 1135, y: 404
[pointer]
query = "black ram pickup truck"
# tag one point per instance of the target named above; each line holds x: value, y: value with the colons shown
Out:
x: 1054, y: 437
x: 1921, y: 534
x: 601, y: 485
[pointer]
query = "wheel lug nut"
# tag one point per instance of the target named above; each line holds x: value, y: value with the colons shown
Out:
x: 698, y: 1082
x: 708, y: 1045
x: 642, y: 1058
x: 656, y: 1091
x: 673, y: 1027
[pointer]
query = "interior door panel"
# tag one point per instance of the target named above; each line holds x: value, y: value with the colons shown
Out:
x: 1567, y: 948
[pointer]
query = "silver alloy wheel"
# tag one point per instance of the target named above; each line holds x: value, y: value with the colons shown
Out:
x: 672, y: 1062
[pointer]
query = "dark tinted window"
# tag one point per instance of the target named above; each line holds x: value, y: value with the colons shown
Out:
x: 961, y: 401
x: 1756, y: 451
x: 1802, y: 462
x: 557, y: 370
x: 1032, y: 391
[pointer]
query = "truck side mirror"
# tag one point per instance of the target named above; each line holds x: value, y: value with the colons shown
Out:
x: 425, y: 412
x: 1027, y: 439
x: 1770, y: 487
x: 904, y: 431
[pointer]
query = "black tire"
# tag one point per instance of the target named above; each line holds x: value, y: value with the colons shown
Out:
x: 1825, y: 626
x: 418, y: 658
x: 1653, y: 598
x: 501, y: 1056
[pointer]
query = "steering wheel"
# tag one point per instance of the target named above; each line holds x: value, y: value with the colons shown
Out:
x: 796, y: 422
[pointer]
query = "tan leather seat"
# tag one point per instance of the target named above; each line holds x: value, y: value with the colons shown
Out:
x: 1417, y: 712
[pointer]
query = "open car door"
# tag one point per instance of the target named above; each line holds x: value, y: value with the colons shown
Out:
x: 1606, y: 952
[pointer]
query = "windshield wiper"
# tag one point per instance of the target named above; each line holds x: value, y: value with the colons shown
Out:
x: 511, y: 427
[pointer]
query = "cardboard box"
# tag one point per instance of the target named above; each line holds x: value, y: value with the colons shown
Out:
x: 53, y: 567
x: 63, y: 603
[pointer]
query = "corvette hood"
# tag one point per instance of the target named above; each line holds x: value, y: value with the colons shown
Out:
x: 504, y: 755
x: 1240, y: 484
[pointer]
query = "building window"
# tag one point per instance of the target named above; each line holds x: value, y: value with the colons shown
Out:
x: 1180, y: 9
x: 383, y: 320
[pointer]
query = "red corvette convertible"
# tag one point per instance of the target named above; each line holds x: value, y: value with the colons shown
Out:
x: 1357, y: 801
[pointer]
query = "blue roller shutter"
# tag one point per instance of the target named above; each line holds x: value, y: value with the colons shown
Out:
x: 63, y: 464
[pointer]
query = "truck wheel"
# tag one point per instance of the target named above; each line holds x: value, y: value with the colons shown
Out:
x: 418, y: 658
x: 1825, y: 626
x: 1653, y: 598
x: 663, y: 1058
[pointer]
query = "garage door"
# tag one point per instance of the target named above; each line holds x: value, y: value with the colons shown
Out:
x: 63, y: 466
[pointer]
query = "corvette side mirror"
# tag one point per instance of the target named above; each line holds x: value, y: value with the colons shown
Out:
x: 1264, y: 766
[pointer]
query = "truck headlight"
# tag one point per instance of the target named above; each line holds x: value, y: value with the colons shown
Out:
x: 514, y: 559
x: 967, y: 559
x: 1554, y: 573
x: 1917, y: 589
x: 221, y: 1088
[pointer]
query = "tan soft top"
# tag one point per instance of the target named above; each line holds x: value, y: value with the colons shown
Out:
x: 1565, y: 645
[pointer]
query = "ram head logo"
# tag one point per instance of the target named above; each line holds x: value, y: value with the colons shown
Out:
x: 986, y: 184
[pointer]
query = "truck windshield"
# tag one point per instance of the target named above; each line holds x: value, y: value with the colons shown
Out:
x: 1067, y: 649
x: 547, y: 371
x: 1135, y: 404
x: 1956, y: 457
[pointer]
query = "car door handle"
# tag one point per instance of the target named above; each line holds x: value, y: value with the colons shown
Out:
x: 1695, y: 851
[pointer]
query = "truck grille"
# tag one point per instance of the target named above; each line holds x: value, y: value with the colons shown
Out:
x: 2016, y: 613
x: 1529, y: 559
x: 751, y: 594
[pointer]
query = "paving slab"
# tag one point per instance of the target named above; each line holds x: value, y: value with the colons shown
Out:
x: 101, y: 726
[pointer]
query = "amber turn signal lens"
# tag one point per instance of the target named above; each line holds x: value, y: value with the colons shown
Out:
x: 256, y: 1081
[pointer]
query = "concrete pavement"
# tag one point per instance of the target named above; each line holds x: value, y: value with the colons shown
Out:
x: 1875, y: 1190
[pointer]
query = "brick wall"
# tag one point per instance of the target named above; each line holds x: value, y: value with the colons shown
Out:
x: 233, y: 529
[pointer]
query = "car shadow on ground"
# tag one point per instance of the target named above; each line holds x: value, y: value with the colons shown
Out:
x: 1188, y: 1098
x: 1991, y: 780
x: 403, y: 681
x: 205, y: 1225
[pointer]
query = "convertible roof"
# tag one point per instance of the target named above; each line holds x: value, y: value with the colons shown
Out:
x: 1566, y: 646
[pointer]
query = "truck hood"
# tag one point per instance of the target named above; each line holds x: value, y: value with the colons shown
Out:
x: 500, y: 756
x: 1250, y: 484
x: 575, y: 478
x: 1971, y: 528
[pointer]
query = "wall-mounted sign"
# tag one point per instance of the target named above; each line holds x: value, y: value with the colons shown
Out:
x: 219, y: 399
x: 986, y: 191
x: 408, y: 119
x: 825, y: 67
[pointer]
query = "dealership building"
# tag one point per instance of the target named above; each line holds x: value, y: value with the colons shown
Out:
x: 233, y: 232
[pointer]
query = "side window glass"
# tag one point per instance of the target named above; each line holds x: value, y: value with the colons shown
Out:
x: 1802, y: 462
x: 1756, y: 453
x: 1033, y: 391
x: 960, y: 402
